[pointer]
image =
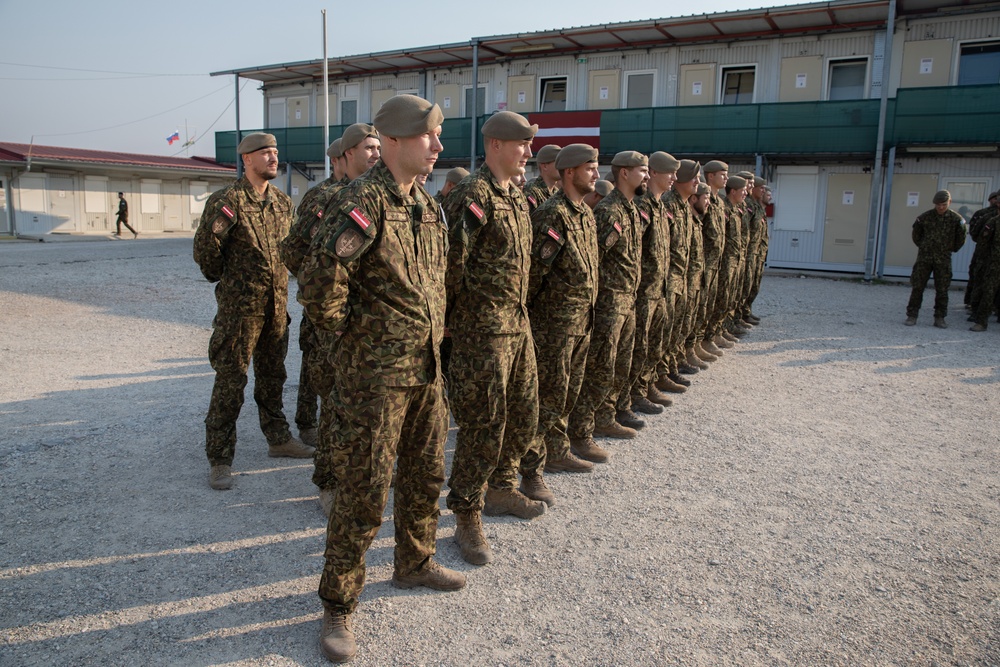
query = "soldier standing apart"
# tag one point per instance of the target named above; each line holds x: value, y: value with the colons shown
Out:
x: 122, y: 217
x: 493, y: 382
x: 937, y: 233
x: 543, y: 186
x: 236, y: 245
x: 619, y: 238
x: 374, y: 278
x: 562, y: 292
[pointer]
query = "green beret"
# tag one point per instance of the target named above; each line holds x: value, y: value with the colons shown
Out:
x: 354, y: 135
x: 547, y: 154
x: 629, y: 159
x: 758, y: 181
x: 703, y: 189
x: 334, y: 152
x: 255, y: 142
x: 603, y: 187
x: 407, y: 116
x: 688, y: 170
x: 456, y: 175
x: 715, y: 165
x: 941, y: 197
x: 745, y: 174
x: 736, y: 183
x: 993, y: 195
x: 661, y: 162
x: 573, y: 156
x: 509, y: 126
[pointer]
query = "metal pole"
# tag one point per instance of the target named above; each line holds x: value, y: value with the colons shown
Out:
x: 239, y: 160
x: 874, y: 219
x: 326, y: 104
x: 883, y: 232
x: 475, y: 104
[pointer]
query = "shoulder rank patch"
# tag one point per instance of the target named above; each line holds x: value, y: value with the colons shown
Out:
x: 613, y: 235
x: 222, y: 223
x: 353, y: 237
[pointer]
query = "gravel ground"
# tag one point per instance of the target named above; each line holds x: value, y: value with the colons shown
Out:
x: 827, y: 494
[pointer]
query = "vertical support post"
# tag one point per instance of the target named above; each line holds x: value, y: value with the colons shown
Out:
x: 239, y: 160
x: 475, y: 105
x: 326, y: 104
x: 875, y: 220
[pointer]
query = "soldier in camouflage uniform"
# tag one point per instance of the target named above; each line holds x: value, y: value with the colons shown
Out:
x: 451, y: 179
x: 363, y: 140
x: 374, y: 278
x: 714, y: 233
x: 695, y: 275
x: 543, y: 186
x: 729, y: 267
x: 236, y: 245
x: 493, y: 381
x: 976, y: 224
x: 562, y: 292
x: 988, y: 278
x: 757, y: 233
x: 937, y: 233
x: 700, y: 203
x: 652, y: 314
x: 619, y: 235
x: 678, y: 209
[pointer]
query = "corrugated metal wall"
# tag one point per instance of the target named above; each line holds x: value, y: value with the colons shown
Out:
x: 979, y: 26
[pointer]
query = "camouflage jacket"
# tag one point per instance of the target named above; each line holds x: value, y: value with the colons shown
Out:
x: 236, y: 245
x: 696, y: 256
x: 490, y: 256
x: 713, y: 232
x: 536, y: 192
x: 938, y: 234
x: 619, y: 235
x: 375, y: 272
x: 308, y: 217
x: 757, y: 227
x: 562, y: 288
x: 655, y: 247
x: 679, y: 214
x: 980, y: 222
x: 732, y: 252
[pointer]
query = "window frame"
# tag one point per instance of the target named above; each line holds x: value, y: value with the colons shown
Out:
x: 625, y: 86
x: 727, y: 69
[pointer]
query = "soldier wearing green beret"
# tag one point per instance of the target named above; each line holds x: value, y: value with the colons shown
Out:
x: 562, y: 292
x: 493, y: 381
x: 937, y: 233
x: 757, y: 253
x: 619, y: 235
x: 374, y: 278
x: 710, y: 339
x: 236, y: 246
x: 652, y: 313
x: 732, y: 256
x: 543, y: 186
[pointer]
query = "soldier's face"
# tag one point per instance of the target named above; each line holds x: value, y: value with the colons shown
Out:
x: 686, y: 188
x: 942, y: 207
x: 418, y: 154
x: 364, y: 156
x: 663, y: 180
x: 737, y: 196
x: 592, y: 199
x: 263, y: 163
x: 700, y: 203
x: 717, y: 179
x: 513, y: 157
x: 584, y: 177
x: 636, y: 179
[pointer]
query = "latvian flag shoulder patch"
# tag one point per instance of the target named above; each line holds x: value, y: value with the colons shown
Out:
x: 553, y: 233
x: 476, y: 211
x: 360, y: 218
x: 228, y: 212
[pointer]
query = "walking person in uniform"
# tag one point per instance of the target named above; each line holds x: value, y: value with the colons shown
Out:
x: 122, y: 217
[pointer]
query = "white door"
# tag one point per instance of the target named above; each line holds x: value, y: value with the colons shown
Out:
x: 62, y: 204
x: 172, y: 206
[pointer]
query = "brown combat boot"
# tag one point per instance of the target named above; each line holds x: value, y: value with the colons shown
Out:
x: 709, y: 346
x: 292, y: 448
x: 433, y: 575
x: 646, y: 406
x: 728, y: 335
x: 588, y: 450
x: 703, y: 354
x: 654, y: 395
x: 940, y: 323
x: 723, y: 343
x: 752, y: 319
x: 629, y: 419
x: 511, y: 501
x: 693, y: 360
x: 667, y: 384
x: 534, y: 487
x: 470, y: 539
x: 611, y: 430
x: 569, y: 463
x: 220, y: 477
x: 336, y: 639
x: 977, y: 327
x: 309, y: 436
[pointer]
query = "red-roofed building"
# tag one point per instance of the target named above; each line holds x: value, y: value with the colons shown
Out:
x: 47, y: 189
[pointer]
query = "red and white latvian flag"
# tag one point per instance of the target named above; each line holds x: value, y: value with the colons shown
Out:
x: 563, y: 128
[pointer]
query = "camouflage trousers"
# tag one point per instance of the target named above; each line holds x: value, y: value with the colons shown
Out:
x: 650, y: 318
x: 562, y: 363
x: 321, y: 377
x: 987, y: 290
x: 608, y: 362
x: 676, y: 306
x: 235, y: 342
x: 307, y: 399
x: 923, y: 268
x: 691, y: 316
x: 706, y: 303
x: 380, y: 426
x: 493, y: 389
x: 722, y: 302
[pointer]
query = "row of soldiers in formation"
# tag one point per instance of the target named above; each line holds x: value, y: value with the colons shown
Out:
x: 563, y: 320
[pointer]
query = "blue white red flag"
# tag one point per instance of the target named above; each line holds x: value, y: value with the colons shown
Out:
x: 176, y: 136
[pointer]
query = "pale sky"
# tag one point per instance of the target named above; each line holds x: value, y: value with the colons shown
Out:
x: 123, y: 75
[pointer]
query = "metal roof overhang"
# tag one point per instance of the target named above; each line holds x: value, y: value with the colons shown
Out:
x: 804, y: 19
x: 87, y: 165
